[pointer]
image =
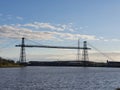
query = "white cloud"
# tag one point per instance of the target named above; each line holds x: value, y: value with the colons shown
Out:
x: 109, y: 40
x: 54, y: 27
x: 116, y: 40
x: 19, y: 18
x: 5, y: 17
x: 14, y: 32
x: 18, y: 32
x: 9, y: 18
x: 38, y: 25
x: 70, y: 36
x: 81, y: 27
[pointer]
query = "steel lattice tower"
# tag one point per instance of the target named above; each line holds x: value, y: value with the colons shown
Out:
x: 22, y: 52
x: 78, y: 53
x: 85, y: 52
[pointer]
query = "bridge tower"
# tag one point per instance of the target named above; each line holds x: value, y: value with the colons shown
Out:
x: 22, y: 58
x: 85, y: 57
x: 78, y: 53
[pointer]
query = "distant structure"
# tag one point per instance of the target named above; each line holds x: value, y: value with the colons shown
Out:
x: 78, y: 53
x: 22, y: 58
x: 85, y: 52
x: 85, y: 49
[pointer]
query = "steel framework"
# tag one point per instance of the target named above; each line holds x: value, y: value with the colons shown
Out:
x: 23, y: 45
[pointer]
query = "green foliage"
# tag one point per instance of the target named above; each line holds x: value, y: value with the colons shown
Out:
x: 7, y: 63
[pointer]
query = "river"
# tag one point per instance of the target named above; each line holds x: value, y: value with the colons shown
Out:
x: 59, y: 78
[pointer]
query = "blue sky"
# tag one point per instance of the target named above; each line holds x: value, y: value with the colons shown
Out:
x: 60, y: 22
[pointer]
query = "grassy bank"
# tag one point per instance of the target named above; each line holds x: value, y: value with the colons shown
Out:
x: 8, y: 63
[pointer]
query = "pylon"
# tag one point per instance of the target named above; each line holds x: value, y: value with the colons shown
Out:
x: 85, y: 52
x: 22, y: 52
x: 78, y: 53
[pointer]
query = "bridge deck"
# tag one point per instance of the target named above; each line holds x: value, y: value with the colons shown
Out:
x: 47, y: 46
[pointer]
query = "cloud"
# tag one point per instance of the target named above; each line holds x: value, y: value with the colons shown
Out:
x: 14, y: 32
x: 19, y: 18
x: 5, y: 17
x: 115, y: 40
x: 57, y: 27
x: 55, y: 32
x: 19, y: 31
x: 109, y: 40
x: 11, y: 31
x: 38, y: 25
x: 81, y: 27
x: 70, y: 36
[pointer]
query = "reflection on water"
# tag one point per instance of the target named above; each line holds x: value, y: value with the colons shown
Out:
x: 59, y: 78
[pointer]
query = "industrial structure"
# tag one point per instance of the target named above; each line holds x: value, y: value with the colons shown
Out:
x: 83, y: 62
x: 85, y: 49
x: 22, y: 58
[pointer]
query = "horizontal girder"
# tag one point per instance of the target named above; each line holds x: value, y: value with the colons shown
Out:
x: 47, y: 46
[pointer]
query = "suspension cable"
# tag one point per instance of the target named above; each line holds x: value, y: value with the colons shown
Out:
x: 101, y: 52
x: 34, y: 41
x: 8, y: 44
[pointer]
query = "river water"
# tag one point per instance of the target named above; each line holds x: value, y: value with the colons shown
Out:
x: 59, y: 78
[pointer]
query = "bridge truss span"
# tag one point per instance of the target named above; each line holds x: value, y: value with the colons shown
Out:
x: 47, y: 46
x: 23, y: 45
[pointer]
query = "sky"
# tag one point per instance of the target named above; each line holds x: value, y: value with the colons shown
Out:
x: 60, y: 22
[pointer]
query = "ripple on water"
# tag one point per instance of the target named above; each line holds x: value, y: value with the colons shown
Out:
x: 59, y: 78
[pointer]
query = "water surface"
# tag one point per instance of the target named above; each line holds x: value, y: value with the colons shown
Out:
x: 59, y: 78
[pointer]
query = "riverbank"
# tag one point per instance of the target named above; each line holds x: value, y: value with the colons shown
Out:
x: 74, y: 63
x: 10, y: 66
x: 4, y: 63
